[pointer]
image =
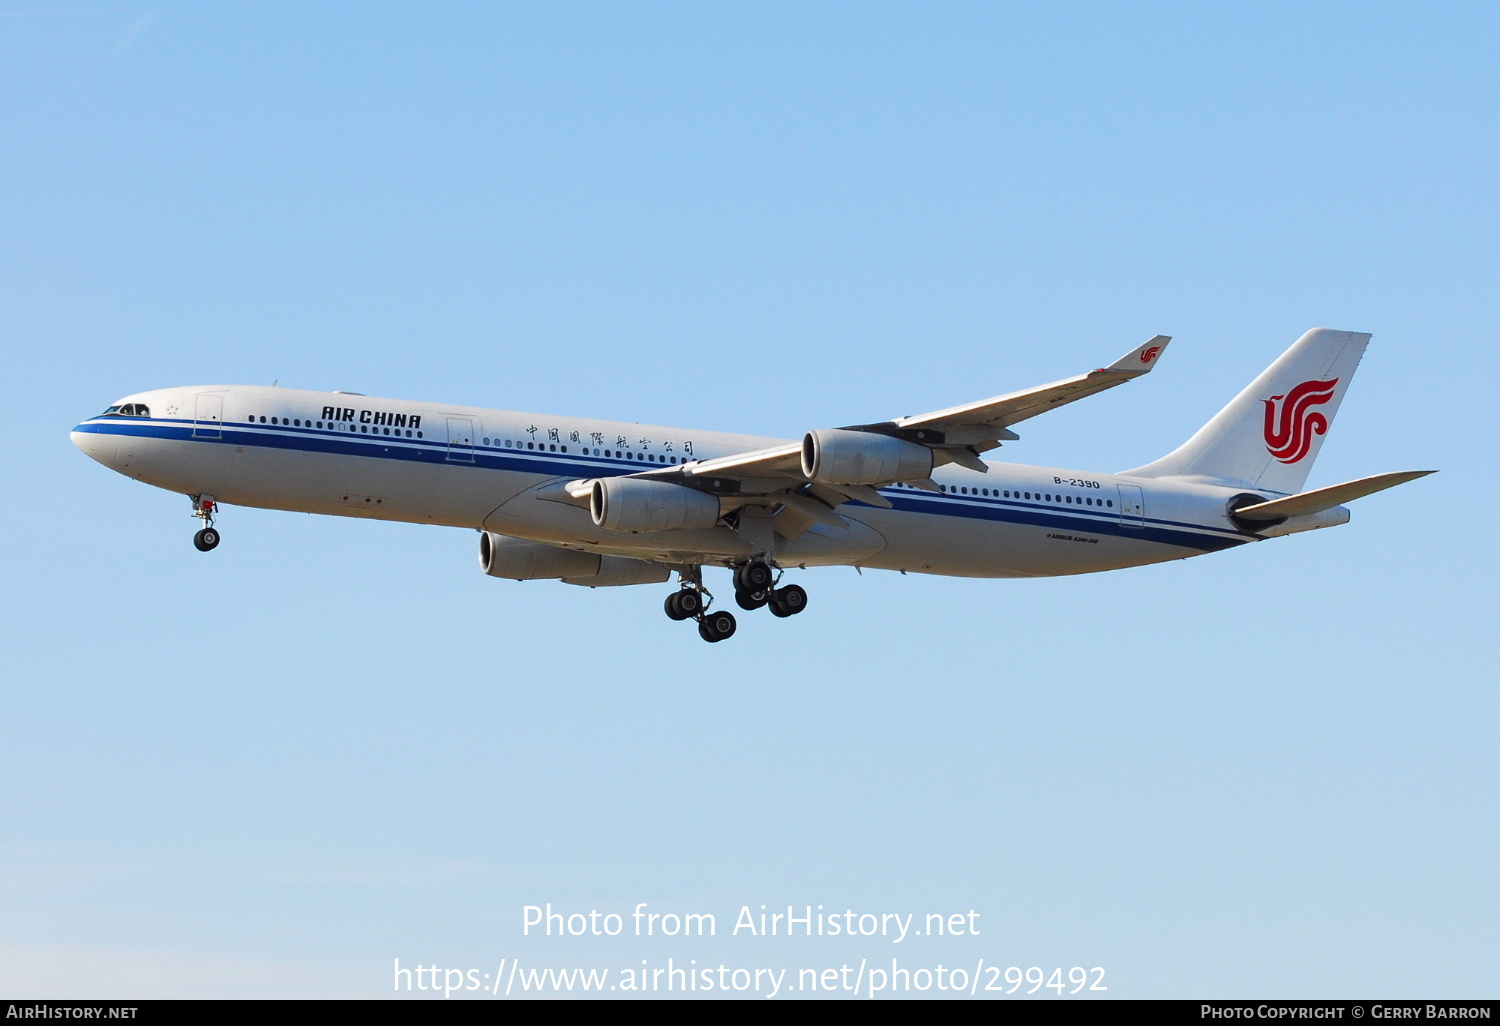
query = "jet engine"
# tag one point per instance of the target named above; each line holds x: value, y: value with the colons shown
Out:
x: 636, y: 504
x: 617, y: 571
x: 520, y: 560
x: 835, y: 457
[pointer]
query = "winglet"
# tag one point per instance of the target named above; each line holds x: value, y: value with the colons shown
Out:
x: 1139, y: 360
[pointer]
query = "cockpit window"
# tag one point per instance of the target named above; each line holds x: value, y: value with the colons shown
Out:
x: 127, y: 410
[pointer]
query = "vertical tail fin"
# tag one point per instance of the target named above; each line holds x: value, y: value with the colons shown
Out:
x: 1269, y: 435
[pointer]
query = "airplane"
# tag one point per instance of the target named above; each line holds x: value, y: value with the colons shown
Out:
x: 603, y: 504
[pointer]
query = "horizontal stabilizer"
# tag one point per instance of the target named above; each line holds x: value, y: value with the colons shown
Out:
x: 1319, y: 499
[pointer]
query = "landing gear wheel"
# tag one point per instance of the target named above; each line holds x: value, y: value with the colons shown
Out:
x: 684, y: 604
x: 754, y: 576
x: 204, y: 508
x: 716, y: 626
x: 751, y: 599
x: 788, y: 601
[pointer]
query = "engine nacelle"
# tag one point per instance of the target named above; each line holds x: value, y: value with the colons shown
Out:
x: 618, y: 571
x: 838, y: 457
x: 636, y: 504
x: 521, y: 560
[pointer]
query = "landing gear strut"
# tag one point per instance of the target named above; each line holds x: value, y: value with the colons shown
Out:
x: 204, y: 508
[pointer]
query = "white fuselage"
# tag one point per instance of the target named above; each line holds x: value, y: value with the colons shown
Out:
x: 497, y: 470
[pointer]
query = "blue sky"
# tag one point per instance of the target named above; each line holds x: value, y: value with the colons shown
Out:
x: 272, y: 770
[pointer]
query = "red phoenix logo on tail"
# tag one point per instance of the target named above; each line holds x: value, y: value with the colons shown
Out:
x: 1290, y: 435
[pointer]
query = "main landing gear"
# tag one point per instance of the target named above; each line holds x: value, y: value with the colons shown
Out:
x: 690, y: 602
x: 754, y: 587
x: 204, y: 508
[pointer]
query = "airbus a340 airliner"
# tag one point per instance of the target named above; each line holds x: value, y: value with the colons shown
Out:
x: 599, y: 503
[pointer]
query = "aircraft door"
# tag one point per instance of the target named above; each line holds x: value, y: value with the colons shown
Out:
x: 208, y: 420
x: 461, y: 439
x: 1132, y: 506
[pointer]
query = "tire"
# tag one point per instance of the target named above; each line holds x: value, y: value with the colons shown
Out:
x: 674, y: 607
x: 788, y: 601
x: 718, y: 625
x: 751, y: 600
x: 206, y: 540
x: 706, y: 634
x: 689, y: 603
x: 754, y: 576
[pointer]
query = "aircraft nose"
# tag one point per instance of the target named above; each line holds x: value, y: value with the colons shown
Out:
x: 94, y: 445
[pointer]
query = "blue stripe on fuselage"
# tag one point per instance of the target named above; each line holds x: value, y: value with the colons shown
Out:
x: 548, y: 464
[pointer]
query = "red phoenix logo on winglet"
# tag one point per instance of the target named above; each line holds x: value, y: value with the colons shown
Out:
x: 1149, y: 353
x: 1289, y: 435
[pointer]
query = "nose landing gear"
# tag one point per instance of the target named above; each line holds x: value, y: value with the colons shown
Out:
x: 204, y: 508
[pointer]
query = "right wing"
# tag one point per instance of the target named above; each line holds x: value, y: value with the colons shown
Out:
x: 959, y: 433
x: 861, y: 458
